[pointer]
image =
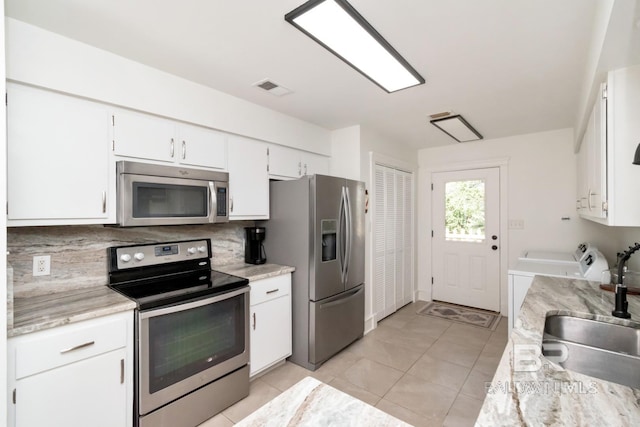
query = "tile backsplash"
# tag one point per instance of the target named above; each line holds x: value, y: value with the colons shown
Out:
x: 79, y: 253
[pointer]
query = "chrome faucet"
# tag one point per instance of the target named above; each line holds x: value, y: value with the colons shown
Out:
x: 621, y: 289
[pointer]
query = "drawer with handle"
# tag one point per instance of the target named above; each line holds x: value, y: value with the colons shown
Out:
x: 270, y: 288
x: 59, y: 346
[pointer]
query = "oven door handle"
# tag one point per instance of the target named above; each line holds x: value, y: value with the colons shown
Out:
x: 194, y: 304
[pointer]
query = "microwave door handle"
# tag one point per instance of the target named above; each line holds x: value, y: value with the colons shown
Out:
x: 213, y: 204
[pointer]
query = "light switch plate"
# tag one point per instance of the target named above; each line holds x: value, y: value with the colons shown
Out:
x: 516, y: 224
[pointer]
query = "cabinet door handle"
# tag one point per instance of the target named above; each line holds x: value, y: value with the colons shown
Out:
x: 231, y: 204
x: 104, y: 202
x: 272, y: 291
x: 305, y: 168
x: 171, y: 148
x: 121, y: 371
x: 184, y: 150
x: 77, y: 347
x: 591, y: 193
x: 254, y: 321
x: 299, y: 168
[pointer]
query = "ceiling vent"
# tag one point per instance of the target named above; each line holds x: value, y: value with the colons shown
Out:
x: 272, y: 87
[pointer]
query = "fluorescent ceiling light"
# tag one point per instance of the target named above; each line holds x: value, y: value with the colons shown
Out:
x: 337, y: 26
x: 457, y: 128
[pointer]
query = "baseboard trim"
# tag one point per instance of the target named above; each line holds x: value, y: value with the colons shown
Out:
x: 369, y: 325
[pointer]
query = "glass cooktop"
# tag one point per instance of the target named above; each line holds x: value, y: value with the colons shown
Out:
x: 178, y: 288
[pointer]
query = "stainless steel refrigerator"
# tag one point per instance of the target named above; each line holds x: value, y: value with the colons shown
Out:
x: 317, y: 226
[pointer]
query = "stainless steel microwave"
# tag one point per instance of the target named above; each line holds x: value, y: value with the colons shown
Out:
x: 150, y: 194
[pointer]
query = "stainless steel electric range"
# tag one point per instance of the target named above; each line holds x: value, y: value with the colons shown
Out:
x: 191, y: 331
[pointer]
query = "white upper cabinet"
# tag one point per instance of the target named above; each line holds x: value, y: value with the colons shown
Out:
x: 202, y: 147
x: 143, y: 137
x: 284, y: 162
x: 289, y: 163
x: 592, y: 158
x: 57, y: 159
x: 314, y: 164
x: 248, y: 179
x: 605, y: 170
x: 147, y: 137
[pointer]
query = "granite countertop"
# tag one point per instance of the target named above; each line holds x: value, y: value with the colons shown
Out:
x: 36, y: 313
x: 312, y: 403
x: 56, y: 309
x: 254, y: 272
x: 549, y: 394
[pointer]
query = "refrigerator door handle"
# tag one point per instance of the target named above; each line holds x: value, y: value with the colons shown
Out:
x: 341, y: 235
x: 340, y: 299
x: 349, y: 237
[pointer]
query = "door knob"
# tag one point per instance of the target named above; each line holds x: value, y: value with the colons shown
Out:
x: 494, y: 237
x: 494, y: 247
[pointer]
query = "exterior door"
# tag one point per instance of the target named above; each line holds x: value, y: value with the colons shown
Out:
x: 465, y: 243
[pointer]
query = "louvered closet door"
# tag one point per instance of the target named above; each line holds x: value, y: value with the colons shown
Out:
x: 408, y: 239
x: 399, y: 234
x: 379, y: 244
x: 393, y: 240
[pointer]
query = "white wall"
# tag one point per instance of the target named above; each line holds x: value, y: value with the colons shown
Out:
x: 345, y: 153
x: 591, y: 75
x: 541, y: 191
x: 620, y: 238
x: 46, y: 59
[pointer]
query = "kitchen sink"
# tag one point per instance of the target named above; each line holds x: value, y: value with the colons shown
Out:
x: 599, y: 349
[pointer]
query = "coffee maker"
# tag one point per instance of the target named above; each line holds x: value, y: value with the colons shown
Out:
x: 253, y: 248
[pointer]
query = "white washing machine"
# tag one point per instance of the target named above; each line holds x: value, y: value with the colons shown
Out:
x: 574, y: 257
x: 590, y: 267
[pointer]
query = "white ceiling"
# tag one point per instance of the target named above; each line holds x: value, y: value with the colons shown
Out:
x: 508, y: 66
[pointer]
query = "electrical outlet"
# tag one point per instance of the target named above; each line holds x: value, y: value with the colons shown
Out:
x: 42, y: 265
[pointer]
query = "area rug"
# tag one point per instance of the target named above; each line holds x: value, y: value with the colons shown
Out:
x: 461, y: 314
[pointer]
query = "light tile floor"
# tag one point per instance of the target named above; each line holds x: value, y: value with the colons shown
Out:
x: 422, y: 370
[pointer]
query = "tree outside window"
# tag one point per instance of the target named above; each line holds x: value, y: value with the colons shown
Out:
x: 465, y: 210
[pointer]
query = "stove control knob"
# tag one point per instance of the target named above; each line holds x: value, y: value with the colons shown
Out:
x: 139, y: 256
x: 202, y: 249
x: 191, y: 251
x: 125, y: 257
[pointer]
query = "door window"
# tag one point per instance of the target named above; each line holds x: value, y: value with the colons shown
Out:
x: 465, y: 211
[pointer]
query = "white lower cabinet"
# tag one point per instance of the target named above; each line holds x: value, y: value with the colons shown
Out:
x: 270, y: 322
x: 74, y: 375
x: 517, y: 291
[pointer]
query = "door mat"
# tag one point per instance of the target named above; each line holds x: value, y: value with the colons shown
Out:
x: 461, y: 314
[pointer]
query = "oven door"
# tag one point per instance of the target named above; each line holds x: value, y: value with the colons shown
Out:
x: 151, y: 200
x: 186, y: 346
